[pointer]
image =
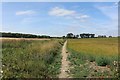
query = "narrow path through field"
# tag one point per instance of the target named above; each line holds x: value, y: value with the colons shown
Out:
x: 65, y: 63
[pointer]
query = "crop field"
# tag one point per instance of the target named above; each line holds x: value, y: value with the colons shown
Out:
x: 31, y: 58
x: 94, y: 57
x: 87, y: 58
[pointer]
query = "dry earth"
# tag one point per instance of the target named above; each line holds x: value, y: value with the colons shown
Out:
x: 65, y: 63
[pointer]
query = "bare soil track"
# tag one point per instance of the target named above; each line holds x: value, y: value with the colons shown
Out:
x: 65, y: 63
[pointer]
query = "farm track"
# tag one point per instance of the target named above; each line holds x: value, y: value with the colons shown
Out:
x: 65, y: 63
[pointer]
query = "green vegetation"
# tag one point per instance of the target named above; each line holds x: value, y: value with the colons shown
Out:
x: 31, y: 59
x: 20, y: 35
x: 95, y: 55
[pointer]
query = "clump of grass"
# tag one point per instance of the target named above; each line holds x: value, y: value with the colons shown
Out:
x: 91, y: 58
x: 75, y: 58
x: 79, y: 72
x: 102, y: 61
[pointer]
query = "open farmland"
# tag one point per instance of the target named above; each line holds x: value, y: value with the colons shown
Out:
x: 31, y: 58
x: 94, y: 57
x: 3, y: 38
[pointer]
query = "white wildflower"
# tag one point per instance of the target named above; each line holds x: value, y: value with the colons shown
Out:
x: 1, y: 71
x: 102, y: 71
x: 114, y: 63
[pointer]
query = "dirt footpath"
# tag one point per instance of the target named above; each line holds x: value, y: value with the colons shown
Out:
x: 65, y: 63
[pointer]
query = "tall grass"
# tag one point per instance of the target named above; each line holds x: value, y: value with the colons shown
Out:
x: 31, y: 59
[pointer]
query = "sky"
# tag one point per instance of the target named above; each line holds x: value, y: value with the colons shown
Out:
x: 60, y: 18
x: 60, y: 0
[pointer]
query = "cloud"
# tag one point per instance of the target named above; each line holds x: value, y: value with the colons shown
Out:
x: 61, y: 12
x: 82, y: 16
x: 69, y: 14
x: 26, y: 12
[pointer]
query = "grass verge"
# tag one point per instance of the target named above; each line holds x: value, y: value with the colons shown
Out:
x: 31, y: 59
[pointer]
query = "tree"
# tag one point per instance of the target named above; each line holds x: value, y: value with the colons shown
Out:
x: 81, y: 35
x: 87, y: 35
x: 70, y: 35
x: 110, y: 36
x: 101, y: 36
x: 92, y: 35
x: 77, y: 36
x: 63, y: 37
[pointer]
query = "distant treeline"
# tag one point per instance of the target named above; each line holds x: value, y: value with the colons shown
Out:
x: 69, y: 35
x: 20, y: 35
x: 84, y: 35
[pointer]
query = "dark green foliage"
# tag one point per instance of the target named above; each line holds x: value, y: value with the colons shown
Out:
x: 87, y: 35
x: 20, y: 35
x: 70, y: 35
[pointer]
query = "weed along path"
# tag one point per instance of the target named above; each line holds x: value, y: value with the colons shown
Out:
x: 65, y: 63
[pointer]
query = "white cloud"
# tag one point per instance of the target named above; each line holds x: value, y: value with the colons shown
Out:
x: 82, y: 16
x: 69, y: 14
x: 61, y: 12
x: 26, y: 12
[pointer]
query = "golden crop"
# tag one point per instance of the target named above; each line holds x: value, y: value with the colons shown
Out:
x: 96, y: 46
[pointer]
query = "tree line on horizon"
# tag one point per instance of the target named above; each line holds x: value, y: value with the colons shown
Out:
x: 83, y: 35
x: 20, y: 35
x: 69, y: 35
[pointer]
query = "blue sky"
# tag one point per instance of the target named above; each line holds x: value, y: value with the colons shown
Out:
x: 60, y: 18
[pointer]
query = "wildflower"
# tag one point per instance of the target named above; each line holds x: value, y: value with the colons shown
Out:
x: 114, y: 63
x: 1, y: 71
x: 102, y: 71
